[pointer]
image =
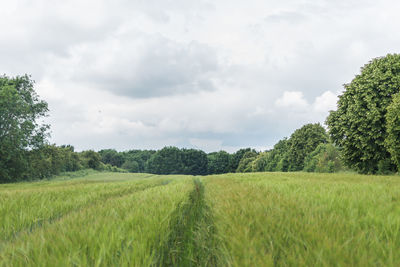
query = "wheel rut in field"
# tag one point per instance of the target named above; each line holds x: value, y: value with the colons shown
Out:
x: 58, y: 216
x: 192, y: 236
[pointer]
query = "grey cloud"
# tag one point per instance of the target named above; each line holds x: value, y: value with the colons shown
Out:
x: 36, y: 32
x: 146, y: 66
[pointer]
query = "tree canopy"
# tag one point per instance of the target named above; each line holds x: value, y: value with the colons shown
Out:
x: 302, y: 142
x: 237, y: 157
x: 245, y: 164
x: 20, y: 125
x: 218, y: 162
x: 358, y: 125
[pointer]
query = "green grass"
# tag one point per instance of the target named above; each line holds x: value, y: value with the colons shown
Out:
x: 256, y: 219
x: 290, y: 219
x: 124, y: 229
x: 26, y: 207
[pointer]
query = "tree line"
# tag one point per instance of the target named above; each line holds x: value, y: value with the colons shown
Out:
x: 363, y: 135
x: 306, y: 149
x: 307, y: 146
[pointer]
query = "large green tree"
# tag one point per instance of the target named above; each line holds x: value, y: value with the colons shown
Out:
x: 20, y: 125
x: 166, y: 161
x: 302, y: 142
x: 359, y: 123
x: 218, y: 162
x: 194, y: 162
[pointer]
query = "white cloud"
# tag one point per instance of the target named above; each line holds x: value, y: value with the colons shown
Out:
x: 139, y: 65
x: 326, y: 102
x: 293, y: 100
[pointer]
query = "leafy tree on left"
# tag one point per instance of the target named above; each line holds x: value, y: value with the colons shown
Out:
x: 20, y: 128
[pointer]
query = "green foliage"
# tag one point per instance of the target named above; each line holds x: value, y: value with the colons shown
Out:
x: 112, y: 157
x: 172, y: 160
x: 218, y: 162
x: 131, y: 165
x: 20, y: 129
x: 72, y: 161
x: 260, y: 162
x: 392, y: 141
x: 51, y: 160
x: 277, y: 157
x: 385, y: 166
x: 325, y: 158
x: 139, y: 156
x: 359, y: 126
x: 246, y: 162
x: 91, y: 159
x: 283, y: 164
x: 289, y: 154
x: 236, y: 158
x: 110, y: 168
x: 194, y: 162
x: 302, y: 142
x: 166, y: 161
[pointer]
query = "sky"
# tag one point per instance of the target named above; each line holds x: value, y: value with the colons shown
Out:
x: 211, y: 75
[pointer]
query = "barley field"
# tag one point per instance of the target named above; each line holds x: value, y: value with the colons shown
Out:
x: 255, y: 219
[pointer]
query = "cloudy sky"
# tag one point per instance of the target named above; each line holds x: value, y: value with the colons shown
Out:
x: 213, y: 75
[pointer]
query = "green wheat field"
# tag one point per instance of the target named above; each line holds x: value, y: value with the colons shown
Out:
x: 256, y: 219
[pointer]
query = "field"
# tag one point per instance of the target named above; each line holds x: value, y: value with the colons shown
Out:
x: 256, y: 219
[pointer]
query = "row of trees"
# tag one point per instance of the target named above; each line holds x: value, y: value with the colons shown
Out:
x: 172, y: 160
x: 288, y: 155
x: 308, y: 148
x: 50, y: 160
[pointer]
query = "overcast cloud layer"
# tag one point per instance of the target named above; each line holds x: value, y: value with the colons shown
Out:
x: 204, y: 74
